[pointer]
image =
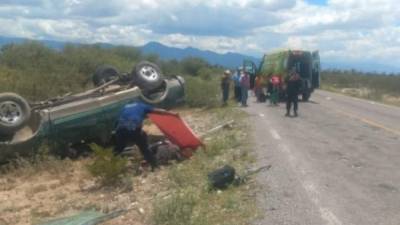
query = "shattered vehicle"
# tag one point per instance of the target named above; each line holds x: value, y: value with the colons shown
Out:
x: 84, y: 117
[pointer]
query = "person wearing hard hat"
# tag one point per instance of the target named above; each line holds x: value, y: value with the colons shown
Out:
x: 225, y: 85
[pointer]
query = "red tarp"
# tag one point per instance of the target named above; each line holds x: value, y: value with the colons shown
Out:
x: 177, y: 131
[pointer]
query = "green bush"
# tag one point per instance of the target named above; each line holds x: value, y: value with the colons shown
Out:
x: 202, y: 93
x: 175, y: 210
x: 192, y: 65
x: 108, y: 168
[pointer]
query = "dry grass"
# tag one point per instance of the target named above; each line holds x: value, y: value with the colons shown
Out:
x: 365, y: 93
x: 31, y: 191
x: 190, y: 200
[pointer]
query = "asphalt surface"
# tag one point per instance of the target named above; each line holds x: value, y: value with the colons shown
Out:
x: 337, y: 163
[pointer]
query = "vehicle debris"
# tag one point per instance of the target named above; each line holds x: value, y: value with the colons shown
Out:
x: 85, y: 218
x: 177, y: 132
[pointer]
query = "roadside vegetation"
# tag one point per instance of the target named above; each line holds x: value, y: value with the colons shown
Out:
x: 43, y: 187
x: 37, y: 72
x: 188, y: 199
x: 373, y: 86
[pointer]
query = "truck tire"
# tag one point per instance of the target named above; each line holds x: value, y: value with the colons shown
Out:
x: 306, y: 96
x: 14, y: 113
x: 104, y: 74
x: 157, y: 97
x: 147, y: 76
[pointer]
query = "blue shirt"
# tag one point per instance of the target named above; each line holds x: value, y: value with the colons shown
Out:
x: 133, y: 115
x: 236, y: 78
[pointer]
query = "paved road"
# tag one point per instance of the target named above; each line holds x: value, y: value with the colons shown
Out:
x: 337, y: 163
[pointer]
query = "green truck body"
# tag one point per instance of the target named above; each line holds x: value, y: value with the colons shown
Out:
x: 91, y: 119
x: 306, y: 64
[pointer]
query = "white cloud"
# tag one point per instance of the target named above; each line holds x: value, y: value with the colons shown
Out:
x: 345, y: 29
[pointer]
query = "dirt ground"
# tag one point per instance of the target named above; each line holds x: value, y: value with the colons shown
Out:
x: 32, y: 194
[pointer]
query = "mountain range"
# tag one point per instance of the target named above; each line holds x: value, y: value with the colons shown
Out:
x: 228, y: 60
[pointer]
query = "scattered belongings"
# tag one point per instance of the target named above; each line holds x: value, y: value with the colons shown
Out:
x: 164, y: 151
x: 85, y: 218
x: 223, y: 177
x: 224, y: 125
x: 179, y: 141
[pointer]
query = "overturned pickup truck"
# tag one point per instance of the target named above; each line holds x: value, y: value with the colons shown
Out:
x: 85, y: 117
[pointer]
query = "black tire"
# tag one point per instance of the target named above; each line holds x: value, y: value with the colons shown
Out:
x: 157, y: 97
x: 14, y: 113
x: 104, y: 74
x: 305, y: 96
x: 147, y: 76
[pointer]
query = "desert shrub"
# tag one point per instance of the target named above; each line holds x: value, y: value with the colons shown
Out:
x: 206, y: 73
x: 192, y: 65
x: 175, y: 210
x: 33, y: 164
x: 108, y: 168
x: 202, y: 93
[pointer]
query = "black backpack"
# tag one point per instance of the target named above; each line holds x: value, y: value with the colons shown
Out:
x: 222, y: 177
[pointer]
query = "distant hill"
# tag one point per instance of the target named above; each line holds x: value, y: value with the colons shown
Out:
x: 229, y: 60
x: 16, y: 40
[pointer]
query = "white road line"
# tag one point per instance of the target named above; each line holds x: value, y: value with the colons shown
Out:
x: 310, y: 187
x: 275, y: 134
x: 262, y: 115
x: 313, y: 194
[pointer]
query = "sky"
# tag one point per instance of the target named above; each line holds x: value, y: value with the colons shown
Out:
x: 342, y: 30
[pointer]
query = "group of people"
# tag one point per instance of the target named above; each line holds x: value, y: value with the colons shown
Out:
x: 241, y: 81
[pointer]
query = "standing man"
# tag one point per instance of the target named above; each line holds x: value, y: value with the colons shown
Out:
x: 236, y: 83
x: 225, y: 83
x: 129, y: 128
x: 292, y: 91
x: 244, y: 87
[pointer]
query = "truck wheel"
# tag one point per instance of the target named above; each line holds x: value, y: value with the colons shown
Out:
x: 147, y: 76
x: 104, y: 74
x: 14, y: 113
x: 306, y: 96
x: 157, y: 97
